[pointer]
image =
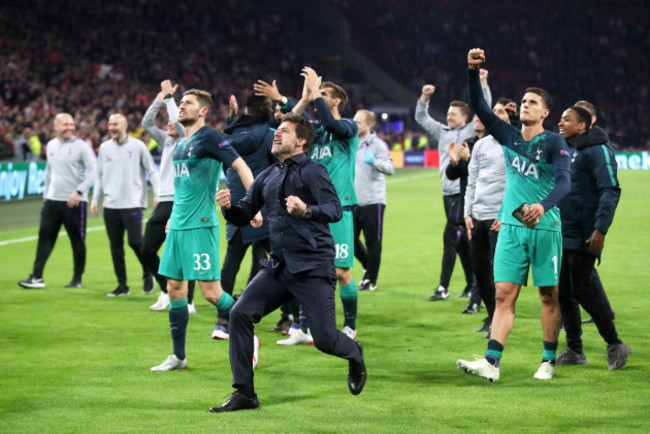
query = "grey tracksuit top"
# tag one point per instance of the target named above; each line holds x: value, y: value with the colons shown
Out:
x: 71, y: 166
x: 444, y: 135
x: 486, y: 180
x: 167, y: 143
x: 121, y: 174
x: 369, y: 179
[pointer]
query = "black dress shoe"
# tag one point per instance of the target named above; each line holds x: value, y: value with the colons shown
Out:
x: 357, y: 374
x: 237, y: 401
x: 74, y: 283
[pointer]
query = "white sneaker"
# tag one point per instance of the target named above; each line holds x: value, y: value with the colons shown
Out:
x: 191, y: 308
x: 297, y: 338
x: 220, y: 333
x: 172, y: 362
x: 351, y: 333
x: 545, y: 372
x: 480, y: 367
x: 256, y: 350
x: 292, y: 330
x: 162, y: 303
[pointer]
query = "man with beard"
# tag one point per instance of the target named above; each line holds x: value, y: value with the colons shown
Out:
x: 122, y: 165
x: 69, y: 174
x: 191, y: 249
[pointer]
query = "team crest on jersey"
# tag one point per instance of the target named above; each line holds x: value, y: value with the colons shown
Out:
x: 539, y: 154
x: 320, y: 153
x: 525, y: 167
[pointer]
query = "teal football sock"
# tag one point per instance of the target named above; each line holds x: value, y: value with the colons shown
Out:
x: 349, y: 296
x: 178, y: 319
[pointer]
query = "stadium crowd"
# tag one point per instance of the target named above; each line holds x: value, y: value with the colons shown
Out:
x: 78, y: 62
x: 419, y: 45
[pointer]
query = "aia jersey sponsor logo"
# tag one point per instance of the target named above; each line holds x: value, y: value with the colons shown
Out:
x: 319, y: 153
x: 524, y: 167
x: 181, y: 169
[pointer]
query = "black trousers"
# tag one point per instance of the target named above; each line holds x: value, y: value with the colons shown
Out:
x: 454, y: 240
x: 576, y: 289
x: 370, y: 220
x: 154, y: 237
x: 235, y: 253
x: 54, y: 214
x: 272, y: 287
x: 482, y: 247
x: 117, y: 221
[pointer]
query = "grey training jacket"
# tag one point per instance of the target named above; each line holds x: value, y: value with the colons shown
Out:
x: 486, y: 180
x: 121, y: 174
x: 71, y: 166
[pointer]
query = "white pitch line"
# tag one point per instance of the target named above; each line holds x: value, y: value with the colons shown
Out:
x: 35, y: 237
x: 96, y: 228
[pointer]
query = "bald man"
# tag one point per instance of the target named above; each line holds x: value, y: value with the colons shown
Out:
x: 122, y: 166
x: 69, y: 174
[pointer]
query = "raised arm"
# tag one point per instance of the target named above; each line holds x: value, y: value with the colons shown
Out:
x: 431, y: 126
x: 499, y: 129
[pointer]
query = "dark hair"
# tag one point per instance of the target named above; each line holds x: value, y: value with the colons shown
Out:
x: 587, y: 106
x: 505, y: 101
x: 548, y: 101
x: 204, y: 98
x: 337, y: 92
x: 304, y: 129
x: 462, y: 105
x: 583, y: 115
x: 259, y: 106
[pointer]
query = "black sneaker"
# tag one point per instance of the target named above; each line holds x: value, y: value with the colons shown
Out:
x: 569, y: 356
x: 119, y: 291
x: 472, y: 308
x: 74, y: 283
x: 282, y: 325
x: 32, y: 282
x: 237, y: 401
x: 617, y: 355
x: 367, y: 285
x: 465, y: 293
x: 487, y: 323
x: 149, y: 284
x: 440, y: 294
x: 589, y: 320
x: 357, y: 374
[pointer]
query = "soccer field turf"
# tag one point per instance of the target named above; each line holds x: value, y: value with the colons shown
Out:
x: 73, y: 360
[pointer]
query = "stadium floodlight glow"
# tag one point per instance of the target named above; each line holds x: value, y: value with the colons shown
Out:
x: 384, y: 116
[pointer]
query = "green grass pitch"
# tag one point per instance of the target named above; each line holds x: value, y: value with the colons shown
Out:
x: 73, y: 360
